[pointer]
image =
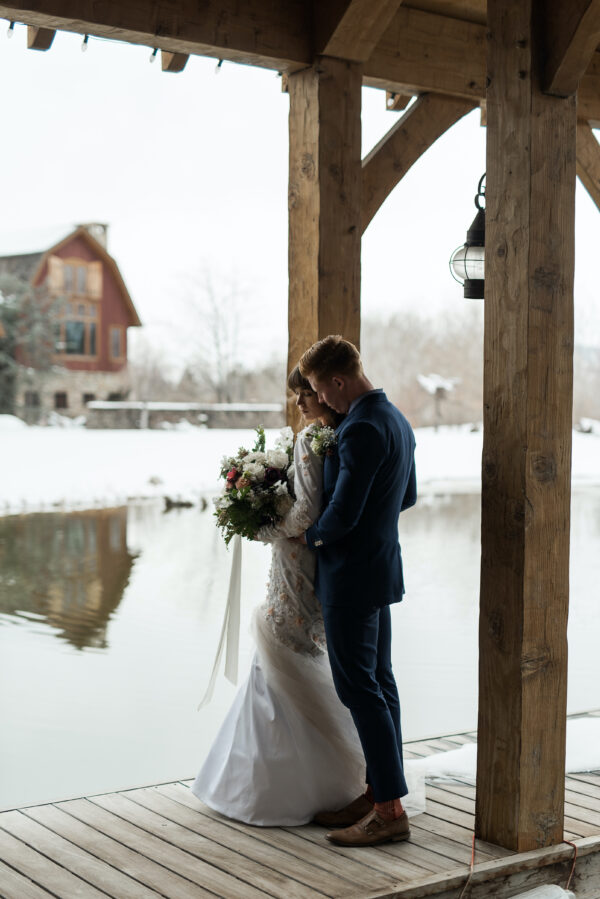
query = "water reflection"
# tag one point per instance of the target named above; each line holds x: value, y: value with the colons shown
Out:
x: 66, y: 570
x: 147, y: 590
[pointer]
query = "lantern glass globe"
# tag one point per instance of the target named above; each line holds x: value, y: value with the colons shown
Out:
x: 467, y: 263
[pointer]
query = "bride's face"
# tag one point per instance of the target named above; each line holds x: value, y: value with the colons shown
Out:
x: 309, y: 405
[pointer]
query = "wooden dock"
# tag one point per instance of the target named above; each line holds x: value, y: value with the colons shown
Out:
x: 161, y: 841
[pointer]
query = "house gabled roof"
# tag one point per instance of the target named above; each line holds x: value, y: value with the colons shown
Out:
x: 29, y: 266
x: 82, y: 232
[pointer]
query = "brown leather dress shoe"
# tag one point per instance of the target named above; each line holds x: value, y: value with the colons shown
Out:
x: 372, y: 830
x: 346, y: 816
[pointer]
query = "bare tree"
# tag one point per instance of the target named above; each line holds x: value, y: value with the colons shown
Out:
x: 217, y: 315
x: 399, y: 349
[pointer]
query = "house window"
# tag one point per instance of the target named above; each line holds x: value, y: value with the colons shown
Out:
x: 32, y: 398
x: 116, y: 343
x: 76, y: 334
x: 75, y: 338
x: 68, y: 277
x: 60, y: 400
x: 59, y: 344
x: 115, y: 397
x: 81, y: 278
x: 88, y: 398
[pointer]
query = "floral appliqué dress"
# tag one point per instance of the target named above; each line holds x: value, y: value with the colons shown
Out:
x: 287, y: 748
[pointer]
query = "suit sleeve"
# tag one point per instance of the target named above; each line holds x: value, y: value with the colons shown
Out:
x: 410, y: 497
x: 361, y: 452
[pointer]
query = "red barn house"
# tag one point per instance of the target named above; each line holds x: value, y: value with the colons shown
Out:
x: 90, y: 360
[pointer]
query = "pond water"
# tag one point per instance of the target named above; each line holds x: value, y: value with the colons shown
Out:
x: 109, y: 622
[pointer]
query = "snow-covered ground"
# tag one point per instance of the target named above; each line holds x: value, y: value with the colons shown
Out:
x: 583, y: 754
x: 42, y: 469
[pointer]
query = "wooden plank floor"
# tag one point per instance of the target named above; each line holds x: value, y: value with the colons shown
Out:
x: 161, y: 841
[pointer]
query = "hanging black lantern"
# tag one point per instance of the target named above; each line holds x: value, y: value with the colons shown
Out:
x: 467, y: 262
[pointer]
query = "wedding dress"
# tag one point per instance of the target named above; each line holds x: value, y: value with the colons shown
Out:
x: 287, y: 748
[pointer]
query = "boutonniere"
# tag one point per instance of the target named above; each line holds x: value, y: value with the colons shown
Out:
x: 323, y: 440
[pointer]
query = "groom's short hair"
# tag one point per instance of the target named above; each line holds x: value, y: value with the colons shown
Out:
x: 331, y: 356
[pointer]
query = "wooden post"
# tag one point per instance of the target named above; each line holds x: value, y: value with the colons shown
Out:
x: 324, y: 205
x: 527, y: 439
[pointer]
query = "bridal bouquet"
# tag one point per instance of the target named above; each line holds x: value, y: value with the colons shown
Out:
x: 257, y: 489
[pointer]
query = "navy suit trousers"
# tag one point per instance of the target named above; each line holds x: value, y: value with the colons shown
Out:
x: 359, y: 645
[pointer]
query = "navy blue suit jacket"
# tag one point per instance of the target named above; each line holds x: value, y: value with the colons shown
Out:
x: 367, y: 481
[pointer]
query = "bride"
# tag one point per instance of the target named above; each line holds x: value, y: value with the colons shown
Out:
x: 288, y: 748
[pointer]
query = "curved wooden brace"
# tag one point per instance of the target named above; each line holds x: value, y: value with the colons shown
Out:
x: 389, y: 161
x: 588, y: 161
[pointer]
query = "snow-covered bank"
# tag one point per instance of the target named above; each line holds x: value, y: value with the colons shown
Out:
x: 42, y: 469
x: 583, y: 754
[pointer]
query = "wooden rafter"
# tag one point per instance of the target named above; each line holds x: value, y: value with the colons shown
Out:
x: 572, y: 36
x: 350, y: 29
x: 173, y: 62
x: 258, y: 32
x: 396, y: 102
x: 39, y: 38
x: 420, y: 51
x: 588, y: 161
x: 420, y: 126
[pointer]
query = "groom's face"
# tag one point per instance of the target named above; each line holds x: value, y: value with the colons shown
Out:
x: 331, y: 391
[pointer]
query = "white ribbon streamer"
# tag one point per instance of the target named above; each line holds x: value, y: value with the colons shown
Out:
x: 230, y: 631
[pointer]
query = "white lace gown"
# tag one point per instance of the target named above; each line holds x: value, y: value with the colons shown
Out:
x: 288, y: 748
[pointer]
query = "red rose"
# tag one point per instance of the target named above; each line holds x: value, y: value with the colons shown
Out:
x: 272, y: 475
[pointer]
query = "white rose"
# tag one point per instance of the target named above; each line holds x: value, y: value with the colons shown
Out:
x: 255, y: 457
x: 254, y: 471
x: 277, y: 458
x: 285, y: 439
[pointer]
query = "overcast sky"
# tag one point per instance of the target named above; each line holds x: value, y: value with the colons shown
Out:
x: 190, y: 173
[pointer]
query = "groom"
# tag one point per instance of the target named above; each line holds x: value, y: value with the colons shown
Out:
x: 368, y: 481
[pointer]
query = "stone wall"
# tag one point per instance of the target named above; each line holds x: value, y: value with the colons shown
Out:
x: 44, y: 387
x: 136, y: 415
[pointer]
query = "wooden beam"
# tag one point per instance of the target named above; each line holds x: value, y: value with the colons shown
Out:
x: 425, y: 53
x: 588, y: 161
x: 397, y: 102
x: 526, y: 466
x: 173, y: 62
x: 420, y: 52
x: 258, y: 32
x: 324, y: 205
x: 39, y: 38
x: 572, y: 34
x: 588, y: 107
x: 420, y: 126
x: 350, y: 29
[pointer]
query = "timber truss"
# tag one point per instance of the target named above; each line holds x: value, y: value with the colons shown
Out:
x: 432, y: 49
x: 535, y: 66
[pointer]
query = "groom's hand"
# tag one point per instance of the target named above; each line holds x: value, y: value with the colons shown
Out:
x: 301, y: 539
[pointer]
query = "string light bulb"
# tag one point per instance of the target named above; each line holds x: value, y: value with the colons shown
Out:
x: 11, y: 30
x: 84, y: 43
x: 153, y: 54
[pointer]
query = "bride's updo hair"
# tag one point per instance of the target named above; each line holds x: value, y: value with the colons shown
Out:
x: 295, y: 380
x: 331, y: 356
